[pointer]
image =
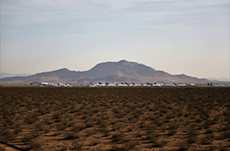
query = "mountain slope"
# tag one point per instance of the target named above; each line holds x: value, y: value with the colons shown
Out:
x: 124, y: 68
x: 120, y: 71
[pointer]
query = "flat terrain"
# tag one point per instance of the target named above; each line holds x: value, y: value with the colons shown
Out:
x: 115, y: 119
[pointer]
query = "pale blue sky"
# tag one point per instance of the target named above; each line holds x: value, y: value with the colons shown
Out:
x: 177, y: 36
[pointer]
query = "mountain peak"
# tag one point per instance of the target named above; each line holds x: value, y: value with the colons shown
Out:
x: 127, y: 63
x: 63, y: 69
x: 123, y: 60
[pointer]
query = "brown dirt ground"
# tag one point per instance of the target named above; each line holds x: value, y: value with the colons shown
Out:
x: 114, y: 119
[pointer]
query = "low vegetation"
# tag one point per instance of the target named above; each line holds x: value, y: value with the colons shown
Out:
x: 114, y: 119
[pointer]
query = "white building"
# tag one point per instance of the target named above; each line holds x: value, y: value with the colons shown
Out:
x: 38, y: 83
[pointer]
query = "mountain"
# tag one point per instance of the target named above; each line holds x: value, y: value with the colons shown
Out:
x: 121, y: 71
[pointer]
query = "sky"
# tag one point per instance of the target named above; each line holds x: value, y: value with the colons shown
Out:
x: 177, y: 36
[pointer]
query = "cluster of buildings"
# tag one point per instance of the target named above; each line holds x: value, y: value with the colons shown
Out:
x: 147, y: 84
x: 125, y: 84
x: 217, y: 85
x: 38, y: 83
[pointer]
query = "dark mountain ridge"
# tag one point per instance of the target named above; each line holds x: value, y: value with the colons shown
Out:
x: 120, y: 71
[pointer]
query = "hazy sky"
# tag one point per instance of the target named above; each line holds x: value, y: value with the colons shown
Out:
x: 177, y: 36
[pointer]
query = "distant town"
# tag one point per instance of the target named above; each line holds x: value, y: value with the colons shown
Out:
x: 124, y: 84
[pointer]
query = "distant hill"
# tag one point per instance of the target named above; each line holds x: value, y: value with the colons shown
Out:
x: 121, y: 71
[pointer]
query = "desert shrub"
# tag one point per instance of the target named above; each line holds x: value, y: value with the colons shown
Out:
x: 158, y: 122
x: 208, y: 139
x: 139, y: 111
x: 183, y: 146
x: 73, y: 110
x: 192, y: 139
x: 31, y: 118
x: 219, y: 137
x: 71, y: 136
x: 77, y: 145
x: 43, y: 111
x: 141, y: 125
x: 227, y: 119
x: 91, y: 131
x: 89, y: 124
x: 8, y: 119
x: 173, y: 125
x: 121, y: 114
x: 129, y: 128
x: 103, y: 130
x: 226, y: 113
x: 118, y: 126
x: 209, y: 131
x: 192, y: 132
x: 70, y: 123
x: 115, y: 110
x: 131, y: 145
x: 117, y: 148
x: 62, y: 125
x: 56, y: 116
x: 179, y: 114
x: 159, y: 143
x: 34, y: 144
x: 169, y: 116
x: 96, y: 149
x: 38, y: 126
x: 64, y: 148
x: 102, y: 123
x: 127, y: 110
x: 204, y: 111
x: 134, y: 120
x: 163, y: 110
x: 160, y: 114
x: 215, y: 119
x: 17, y: 130
x: 199, y: 127
x: 198, y: 119
x: 2, y: 148
x: 30, y: 136
x: 149, y: 126
x: 6, y: 135
x: 227, y: 134
x: 186, y: 114
x: 125, y: 140
x: 192, y: 135
x: 172, y: 132
x: 84, y: 116
x: 96, y: 110
x: 207, y: 124
x: 47, y: 120
x: 155, y: 107
x: 126, y: 147
x: 152, y: 135
x: 169, y: 107
x: 94, y: 142
x: 117, y: 137
x: 223, y: 148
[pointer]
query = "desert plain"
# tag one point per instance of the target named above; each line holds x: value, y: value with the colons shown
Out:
x: 114, y: 119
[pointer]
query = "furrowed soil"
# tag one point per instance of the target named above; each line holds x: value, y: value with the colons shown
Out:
x: 114, y: 119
